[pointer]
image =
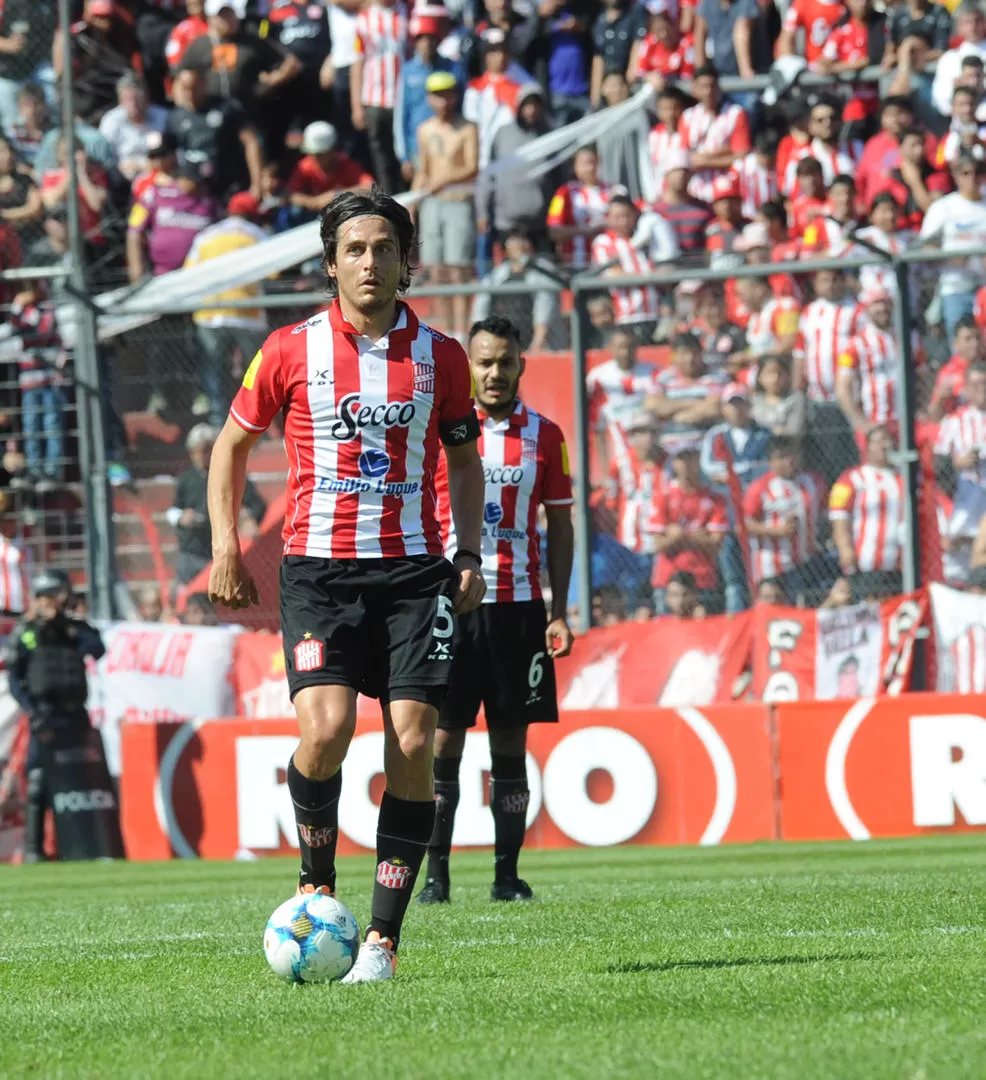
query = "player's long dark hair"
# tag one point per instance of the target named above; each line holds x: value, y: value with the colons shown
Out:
x: 373, y: 203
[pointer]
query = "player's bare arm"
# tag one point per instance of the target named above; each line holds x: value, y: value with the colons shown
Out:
x: 466, y: 492
x: 230, y: 582
x: 561, y: 551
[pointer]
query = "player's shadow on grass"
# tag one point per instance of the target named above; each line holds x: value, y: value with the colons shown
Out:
x: 643, y: 967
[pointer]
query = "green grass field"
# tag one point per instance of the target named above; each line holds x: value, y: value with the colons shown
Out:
x: 801, y: 961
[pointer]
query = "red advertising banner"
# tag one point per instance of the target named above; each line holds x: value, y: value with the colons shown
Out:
x: 800, y: 654
x: 663, y: 662
x: 886, y: 767
x: 642, y: 776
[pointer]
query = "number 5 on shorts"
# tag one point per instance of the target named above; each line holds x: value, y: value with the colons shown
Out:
x: 444, y: 627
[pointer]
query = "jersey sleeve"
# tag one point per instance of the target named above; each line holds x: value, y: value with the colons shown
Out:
x: 261, y: 395
x: 946, y: 442
x: 793, y: 17
x: 718, y: 516
x: 739, y: 139
x: 657, y: 518
x: 557, y: 487
x: 841, y: 498
x: 848, y: 359
x: 787, y: 318
x: 457, y: 421
x: 560, y: 208
x: 752, y: 501
x: 139, y: 220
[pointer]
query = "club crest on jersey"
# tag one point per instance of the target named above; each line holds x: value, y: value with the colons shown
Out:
x: 424, y: 378
x: 354, y: 418
x: 309, y: 655
x: 393, y: 875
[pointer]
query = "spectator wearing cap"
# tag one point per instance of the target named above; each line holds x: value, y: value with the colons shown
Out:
x: 127, y: 126
x: 715, y: 131
x: 663, y: 54
x: 970, y: 25
x: 738, y: 440
x: 490, y: 101
x: 624, y: 158
x: 689, y: 523
x: 226, y: 334
x: 104, y: 48
x: 217, y: 127
x: 381, y: 48
x: 536, y: 314
x: 26, y: 32
x: 323, y: 172
x: 566, y: 45
x: 577, y: 212
x: 689, y: 217
x: 953, y: 223
x: 301, y: 28
x: 724, y: 230
x: 866, y: 382
x: 617, y: 27
x: 449, y: 160
x: 734, y: 32
x: 500, y: 200
x: 189, y: 29
x: 255, y: 71
x: 189, y: 511
x: 427, y: 27
x: 520, y: 32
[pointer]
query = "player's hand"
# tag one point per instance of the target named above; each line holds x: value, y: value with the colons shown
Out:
x: 558, y: 638
x: 231, y: 583
x: 472, y: 589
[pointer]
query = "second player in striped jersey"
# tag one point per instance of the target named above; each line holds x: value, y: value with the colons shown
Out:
x: 505, y: 651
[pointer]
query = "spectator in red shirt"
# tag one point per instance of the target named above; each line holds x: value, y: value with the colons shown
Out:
x: 949, y: 390
x: 92, y: 190
x: 816, y: 18
x: 664, y: 53
x: 193, y: 26
x: 812, y: 202
x: 915, y: 183
x: 882, y: 152
x: 323, y: 172
x: 689, y: 523
x: 855, y: 43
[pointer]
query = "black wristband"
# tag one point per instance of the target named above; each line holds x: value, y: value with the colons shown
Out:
x: 466, y: 553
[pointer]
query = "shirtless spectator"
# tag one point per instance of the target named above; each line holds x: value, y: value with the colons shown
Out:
x: 323, y: 172
x: 448, y: 157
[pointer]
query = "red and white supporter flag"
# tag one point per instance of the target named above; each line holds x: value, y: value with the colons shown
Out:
x: 960, y: 640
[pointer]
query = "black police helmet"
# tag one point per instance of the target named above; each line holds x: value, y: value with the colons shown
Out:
x: 50, y: 583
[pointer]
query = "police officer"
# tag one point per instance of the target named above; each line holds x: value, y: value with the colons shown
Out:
x: 46, y: 665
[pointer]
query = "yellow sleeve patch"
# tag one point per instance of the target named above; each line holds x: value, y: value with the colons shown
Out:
x: 841, y: 496
x: 557, y: 206
x: 250, y: 377
x: 787, y: 322
x: 846, y: 360
x: 138, y: 215
x: 564, y: 459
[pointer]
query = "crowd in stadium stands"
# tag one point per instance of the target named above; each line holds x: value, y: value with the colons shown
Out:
x: 202, y: 127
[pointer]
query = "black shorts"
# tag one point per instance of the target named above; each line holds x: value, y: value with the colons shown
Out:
x: 381, y: 626
x: 501, y: 663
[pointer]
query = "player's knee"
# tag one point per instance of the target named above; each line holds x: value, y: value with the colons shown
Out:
x: 415, y: 744
x: 327, y: 730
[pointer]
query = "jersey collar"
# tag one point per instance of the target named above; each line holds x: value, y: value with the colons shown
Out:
x: 405, y: 329
x: 518, y: 418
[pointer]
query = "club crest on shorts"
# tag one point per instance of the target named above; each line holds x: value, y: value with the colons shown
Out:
x: 393, y: 875
x: 309, y: 655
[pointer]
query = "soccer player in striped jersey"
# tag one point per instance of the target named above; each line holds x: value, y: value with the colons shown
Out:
x: 369, y: 396
x: 505, y: 650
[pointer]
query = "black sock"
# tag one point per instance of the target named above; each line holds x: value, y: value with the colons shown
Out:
x: 403, y: 829
x: 316, y: 812
x: 446, y: 801
x: 509, y: 797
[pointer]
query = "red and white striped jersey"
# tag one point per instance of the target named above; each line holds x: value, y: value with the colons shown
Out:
x: 778, y: 318
x: 381, y: 39
x: 581, y: 206
x: 631, y: 488
x: 757, y: 184
x: 826, y: 329
x: 835, y: 161
x: 363, y: 422
x: 639, y: 304
x: 872, y: 355
x: 872, y: 499
x: 615, y: 393
x: 708, y: 133
x: 525, y: 460
x: 968, y: 655
x: 880, y: 275
x: 773, y: 500
x: 660, y: 140
x: 816, y: 18
x: 962, y: 431
x: 13, y: 589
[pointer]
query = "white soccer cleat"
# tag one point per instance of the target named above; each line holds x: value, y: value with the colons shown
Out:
x: 376, y: 961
